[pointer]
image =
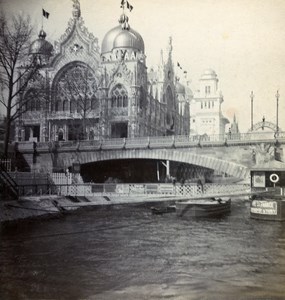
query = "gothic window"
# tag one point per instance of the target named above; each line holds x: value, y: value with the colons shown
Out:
x: 65, y: 105
x: 88, y: 104
x: 38, y: 105
x: 119, y: 96
x: 79, y: 105
x: 32, y: 105
x: 169, y: 98
x: 91, y: 135
x: 32, y: 101
x: 142, y: 98
x: 60, y: 135
x: 72, y: 106
x: 94, y: 103
x: 77, y: 85
x: 125, y: 100
x: 58, y: 106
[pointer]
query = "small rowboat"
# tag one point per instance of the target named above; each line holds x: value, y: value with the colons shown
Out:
x: 163, y: 210
x: 211, y: 207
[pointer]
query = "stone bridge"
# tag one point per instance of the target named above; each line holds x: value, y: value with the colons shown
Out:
x: 234, y: 155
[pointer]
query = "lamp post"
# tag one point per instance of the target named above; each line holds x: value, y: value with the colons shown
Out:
x: 251, y: 117
x: 277, y: 104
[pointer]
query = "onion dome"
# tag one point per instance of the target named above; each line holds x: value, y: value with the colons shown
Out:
x: 122, y: 36
x: 41, y: 46
x: 180, y: 88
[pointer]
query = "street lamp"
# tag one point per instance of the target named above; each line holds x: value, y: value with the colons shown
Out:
x: 277, y: 100
x: 251, y: 97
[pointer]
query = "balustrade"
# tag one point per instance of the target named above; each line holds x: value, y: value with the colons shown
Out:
x: 162, y: 141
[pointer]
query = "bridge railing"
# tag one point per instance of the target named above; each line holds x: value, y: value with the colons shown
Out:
x: 156, y: 141
x: 160, y: 189
x: 136, y: 190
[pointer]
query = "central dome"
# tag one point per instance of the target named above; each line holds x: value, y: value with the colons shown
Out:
x: 122, y: 37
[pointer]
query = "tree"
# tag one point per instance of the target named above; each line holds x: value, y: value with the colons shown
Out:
x: 15, y: 37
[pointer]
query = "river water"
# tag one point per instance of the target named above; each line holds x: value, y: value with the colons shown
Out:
x: 125, y: 252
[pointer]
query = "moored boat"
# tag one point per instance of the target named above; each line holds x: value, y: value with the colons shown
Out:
x: 265, y: 208
x: 268, y: 188
x: 211, y: 207
x: 163, y: 210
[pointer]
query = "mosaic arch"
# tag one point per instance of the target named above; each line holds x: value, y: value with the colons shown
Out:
x: 75, y: 89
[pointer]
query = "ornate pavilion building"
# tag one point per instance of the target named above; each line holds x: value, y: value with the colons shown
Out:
x: 80, y: 92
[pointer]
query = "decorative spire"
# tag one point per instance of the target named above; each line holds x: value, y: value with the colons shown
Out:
x: 124, y: 19
x: 170, y: 45
x: 76, y: 12
x: 161, y: 58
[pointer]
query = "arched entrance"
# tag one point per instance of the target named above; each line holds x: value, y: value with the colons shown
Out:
x: 75, y: 93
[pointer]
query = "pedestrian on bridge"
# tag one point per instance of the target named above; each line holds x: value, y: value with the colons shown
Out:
x: 200, y: 185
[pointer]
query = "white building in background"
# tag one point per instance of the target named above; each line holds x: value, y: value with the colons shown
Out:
x: 206, y: 115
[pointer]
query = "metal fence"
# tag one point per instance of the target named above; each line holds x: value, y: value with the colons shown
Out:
x: 150, y: 189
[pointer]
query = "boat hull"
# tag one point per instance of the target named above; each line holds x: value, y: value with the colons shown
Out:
x: 268, y: 209
x: 203, y: 208
x: 163, y: 210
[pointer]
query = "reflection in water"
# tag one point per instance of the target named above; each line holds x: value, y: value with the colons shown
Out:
x: 128, y: 253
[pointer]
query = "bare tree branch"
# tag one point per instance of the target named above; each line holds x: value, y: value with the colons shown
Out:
x: 15, y: 35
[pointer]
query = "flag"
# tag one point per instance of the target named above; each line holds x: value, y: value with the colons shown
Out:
x: 129, y: 6
x: 45, y: 14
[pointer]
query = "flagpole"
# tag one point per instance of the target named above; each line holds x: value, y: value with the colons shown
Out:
x: 42, y: 15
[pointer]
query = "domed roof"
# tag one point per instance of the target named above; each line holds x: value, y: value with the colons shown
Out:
x: 41, y: 46
x: 128, y: 39
x: 188, y: 91
x: 180, y: 88
x: 122, y: 36
x: 209, y: 74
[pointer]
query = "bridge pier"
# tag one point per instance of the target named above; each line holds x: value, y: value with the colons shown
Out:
x: 167, y: 166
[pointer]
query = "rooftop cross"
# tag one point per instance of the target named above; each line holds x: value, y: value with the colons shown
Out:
x: 76, y: 12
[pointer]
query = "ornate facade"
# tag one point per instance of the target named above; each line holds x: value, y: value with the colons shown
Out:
x: 80, y: 92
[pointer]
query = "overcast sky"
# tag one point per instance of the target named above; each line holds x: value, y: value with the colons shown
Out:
x: 242, y: 40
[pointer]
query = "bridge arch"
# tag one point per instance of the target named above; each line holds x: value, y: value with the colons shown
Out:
x: 219, y: 165
x: 264, y: 124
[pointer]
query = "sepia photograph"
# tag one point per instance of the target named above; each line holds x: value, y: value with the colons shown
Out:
x: 141, y: 149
